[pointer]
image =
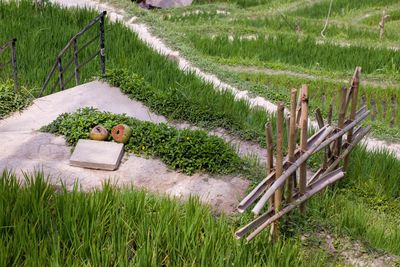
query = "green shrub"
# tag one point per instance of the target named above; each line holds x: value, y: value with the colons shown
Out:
x: 11, y: 101
x: 184, y: 150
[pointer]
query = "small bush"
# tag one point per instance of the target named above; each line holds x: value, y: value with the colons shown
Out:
x: 185, y: 150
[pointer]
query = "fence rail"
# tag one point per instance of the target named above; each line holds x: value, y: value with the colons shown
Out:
x: 12, y: 44
x: 73, y: 44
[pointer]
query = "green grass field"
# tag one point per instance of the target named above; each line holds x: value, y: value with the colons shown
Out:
x: 45, y: 225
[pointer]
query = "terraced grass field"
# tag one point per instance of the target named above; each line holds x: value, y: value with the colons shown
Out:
x: 46, y: 225
x: 249, y: 44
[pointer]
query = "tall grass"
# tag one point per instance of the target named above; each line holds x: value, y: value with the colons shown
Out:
x: 340, y: 7
x: 41, y: 225
x: 365, y: 203
x: 304, y: 52
x: 322, y: 93
x: 240, y: 3
x: 312, y: 27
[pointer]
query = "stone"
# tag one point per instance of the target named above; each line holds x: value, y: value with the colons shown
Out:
x: 97, y: 155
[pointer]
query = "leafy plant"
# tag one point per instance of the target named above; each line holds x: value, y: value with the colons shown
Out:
x: 185, y: 150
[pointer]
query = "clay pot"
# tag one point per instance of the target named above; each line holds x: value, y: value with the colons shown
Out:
x: 98, y: 133
x: 121, y: 133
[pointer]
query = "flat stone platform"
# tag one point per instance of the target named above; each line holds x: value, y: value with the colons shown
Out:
x: 97, y: 155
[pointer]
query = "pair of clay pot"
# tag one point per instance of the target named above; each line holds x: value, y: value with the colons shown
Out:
x: 120, y: 133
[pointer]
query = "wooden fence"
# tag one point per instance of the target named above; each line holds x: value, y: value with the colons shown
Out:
x: 282, y: 191
x: 12, y: 45
x: 73, y: 44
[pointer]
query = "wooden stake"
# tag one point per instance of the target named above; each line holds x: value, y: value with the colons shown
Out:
x: 319, y: 118
x: 292, y: 142
x: 342, y: 115
x: 303, y: 141
x: 354, y: 96
x: 279, y: 161
x: 382, y: 24
x: 270, y: 167
x: 270, y: 155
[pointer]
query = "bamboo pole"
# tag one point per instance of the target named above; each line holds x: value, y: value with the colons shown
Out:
x: 354, y: 96
x: 342, y: 131
x: 279, y: 163
x: 293, y: 167
x: 318, y: 117
x: 292, y: 142
x: 270, y: 156
x: 268, y: 139
x: 350, y: 147
x: 303, y: 141
x: 266, y: 182
x: 342, y: 115
x: 270, y: 168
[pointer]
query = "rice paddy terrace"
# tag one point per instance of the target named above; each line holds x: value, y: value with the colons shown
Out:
x: 268, y: 47
x: 190, y: 138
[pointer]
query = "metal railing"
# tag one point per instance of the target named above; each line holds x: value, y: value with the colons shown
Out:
x: 73, y: 43
x: 12, y: 44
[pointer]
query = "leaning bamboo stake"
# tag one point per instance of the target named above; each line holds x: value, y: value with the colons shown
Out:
x: 349, y: 148
x: 354, y: 96
x: 254, y: 224
x: 303, y: 140
x: 292, y: 142
x: 359, y: 135
x: 343, y: 131
x: 317, y: 187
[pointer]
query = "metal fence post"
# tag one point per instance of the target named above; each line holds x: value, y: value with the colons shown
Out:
x: 61, y: 74
x: 76, y: 62
x: 102, y: 49
x: 14, y: 63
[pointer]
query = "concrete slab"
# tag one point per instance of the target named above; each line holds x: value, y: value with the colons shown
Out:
x: 97, y: 155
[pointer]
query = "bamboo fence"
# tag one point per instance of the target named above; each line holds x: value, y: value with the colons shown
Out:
x: 335, y: 142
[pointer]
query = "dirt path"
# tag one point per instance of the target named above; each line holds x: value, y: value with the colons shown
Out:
x: 350, y: 252
x: 158, y: 45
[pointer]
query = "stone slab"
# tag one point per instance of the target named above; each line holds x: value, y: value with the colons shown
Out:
x: 97, y: 155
